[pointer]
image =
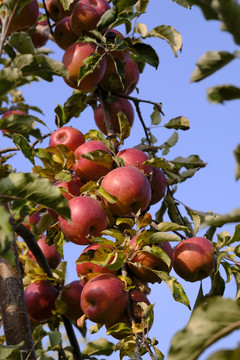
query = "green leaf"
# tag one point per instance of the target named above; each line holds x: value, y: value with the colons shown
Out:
x: 31, y: 187
x: 11, y: 78
x: 221, y: 93
x: 22, y: 124
x: 190, y: 162
x: 55, y: 338
x: 145, y: 52
x: 73, y: 107
x: 6, y: 235
x: 226, y: 354
x: 168, y: 33
x: 66, y: 4
x: 124, y: 126
x: 160, y: 163
x: 170, y: 226
x: 141, y: 5
x: 24, y: 146
x: 125, y: 4
x: 99, y: 347
x: 185, y: 3
x: 160, y: 236
x: 89, y: 65
x: 104, y: 194
x: 156, y: 116
x: 108, y: 18
x: 22, y: 42
x: 169, y: 143
x: 210, y: 62
x: 178, y: 123
x: 10, y: 352
x: 209, y: 322
x: 208, y: 10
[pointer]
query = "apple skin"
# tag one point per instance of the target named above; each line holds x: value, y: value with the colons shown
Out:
x: 73, y: 187
x: 63, y: 34
x: 118, y: 104
x: 70, y: 296
x: 88, y: 218
x: 151, y: 261
x: 26, y: 19
x: 86, y: 14
x: 88, y: 169
x: 68, y: 136
x: 50, y: 252
x: 131, y: 187
x: 89, y: 267
x: 73, y: 59
x: 158, y: 184
x: 104, y: 299
x: 193, y: 259
x: 135, y: 157
x: 40, y: 300
x: 11, y: 112
x: 37, y: 37
x: 56, y: 11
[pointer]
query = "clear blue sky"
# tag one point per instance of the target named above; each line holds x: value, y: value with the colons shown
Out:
x: 213, y: 135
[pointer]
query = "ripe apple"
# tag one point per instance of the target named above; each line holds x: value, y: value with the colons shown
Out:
x: 56, y: 11
x: 73, y: 187
x: 89, y: 267
x: 70, y: 297
x: 32, y: 220
x: 135, y: 157
x: 73, y: 59
x: 131, y: 187
x: 158, y: 184
x: 25, y: 19
x: 50, y: 252
x: 193, y: 259
x: 11, y: 112
x: 88, y: 169
x: 63, y: 34
x: 118, y: 104
x: 111, y: 81
x: 88, y: 218
x: 151, y: 261
x: 40, y: 300
x: 68, y: 136
x: 38, y: 38
x: 104, y: 299
x: 86, y: 14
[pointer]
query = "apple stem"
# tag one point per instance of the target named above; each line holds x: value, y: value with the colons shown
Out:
x: 48, y: 20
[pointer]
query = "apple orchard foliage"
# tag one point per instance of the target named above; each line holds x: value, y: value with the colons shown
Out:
x: 122, y: 247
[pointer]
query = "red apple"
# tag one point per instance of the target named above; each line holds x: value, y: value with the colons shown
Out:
x: 73, y: 59
x: 118, y: 104
x: 104, y: 299
x: 135, y: 157
x: 32, y: 220
x: 131, y: 187
x: 39, y: 39
x: 50, y: 252
x: 73, y: 187
x: 71, y: 297
x: 25, y: 19
x: 151, y: 261
x: 86, y: 14
x: 88, y: 218
x: 11, y: 112
x: 89, y: 267
x: 193, y: 259
x: 40, y: 300
x: 67, y: 136
x: 88, y: 169
x: 158, y: 184
x: 63, y: 34
x: 56, y: 11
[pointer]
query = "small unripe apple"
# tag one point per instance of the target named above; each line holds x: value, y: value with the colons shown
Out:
x: 25, y: 19
x: 63, y: 34
x: 193, y: 259
x: 50, y: 252
x: 135, y: 157
x: 40, y: 300
x: 118, y: 104
x: 73, y: 187
x: 71, y: 296
x: 88, y: 219
x: 104, y: 299
x: 68, y: 136
x: 131, y: 187
x: 158, y: 184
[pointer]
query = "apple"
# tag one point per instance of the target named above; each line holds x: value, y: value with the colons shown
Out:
x: 32, y: 220
x: 118, y: 104
x: 68, y: 136
x: 39, y: 39
x: 40, y: 299
x: 25, y: 19
x: 135, y: 157
x: 11, y: 112
x: 151, y: 261
x: 111, y: 81
x: 88, y: 219
x: 63, y: 34
x: 73, y: 187
x: 131, y: 187
x: 70, y: 297
x: 50, y: 252
x: 87, y: 169
x: 104, y: 299
x: 193, y: 259
x: 73, y: 59
x: 158, y: 184
x: 86, y: 14
x: 89, y: 267
x: 56, y: 11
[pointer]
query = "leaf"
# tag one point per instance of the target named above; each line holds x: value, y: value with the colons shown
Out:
x: 99, y: 347
x: 156, y: 116
x: 168, y: 33
x: 209, y: 322
x: 207, y: 9
x: 124, y: 126
x: 190, y: 162
x: 169, y: 143
x: 125, y: 4
x: 237, y: 159
x: 31, y: 187
x: 22, y: 124
x: 66, y: 4
x: 108, y: 18
x: 141, y: 29
x: 170, y: 226
x: 160, y: 163
x: 22, y: 42
x: 160, y: 236
x: 226, y: 354
x: 185, y: 3
x: 210, y: 62
x: 6, y: 235
x: 9, y: 79
x: 24, y: 146
x: 89, y: 65
x: 145, y: 52
x: 178, y: 123
x: 55, y: 338
x: 10, y: 352
x: 141, y: 5
x: 221, y: 93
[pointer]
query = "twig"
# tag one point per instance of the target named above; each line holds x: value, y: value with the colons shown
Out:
x: 9, y: 149
x: 5, y: 25
x: 48, y: 19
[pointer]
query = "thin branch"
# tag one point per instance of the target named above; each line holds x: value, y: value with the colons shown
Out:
x: 9, y: 149
x: 48, y: 19
x: 5, y: 25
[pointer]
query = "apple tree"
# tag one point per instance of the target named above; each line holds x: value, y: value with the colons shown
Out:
x: 90, y: 190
